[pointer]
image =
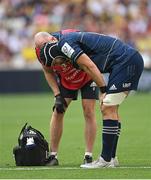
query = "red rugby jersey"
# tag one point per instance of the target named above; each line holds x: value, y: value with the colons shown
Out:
x: 70, y: 77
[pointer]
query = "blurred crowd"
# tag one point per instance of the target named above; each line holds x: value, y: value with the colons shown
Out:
x: 129, y: 20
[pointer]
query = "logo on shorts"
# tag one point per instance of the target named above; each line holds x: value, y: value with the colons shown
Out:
x: 93, y: 85
x: 126, y: 85
x: 113, y: 87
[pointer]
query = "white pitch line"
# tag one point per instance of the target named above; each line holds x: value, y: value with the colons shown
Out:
x: 65, y: 168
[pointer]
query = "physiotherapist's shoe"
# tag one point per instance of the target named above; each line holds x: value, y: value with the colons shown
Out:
x: 52, y: 161
x: 115, y: 162
x: 100, y: 163
x: 87, y: 160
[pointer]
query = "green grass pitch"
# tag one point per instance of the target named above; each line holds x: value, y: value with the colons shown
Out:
x: 134, y: 150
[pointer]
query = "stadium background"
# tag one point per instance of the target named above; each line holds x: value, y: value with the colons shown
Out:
x: 129, y: 20
x: 21, y: 75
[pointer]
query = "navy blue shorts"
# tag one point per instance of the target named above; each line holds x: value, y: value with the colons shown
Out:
x: 88, y: 91
x: 126, y: 76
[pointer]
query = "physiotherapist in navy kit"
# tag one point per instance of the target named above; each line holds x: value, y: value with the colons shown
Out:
x: 97, y: 54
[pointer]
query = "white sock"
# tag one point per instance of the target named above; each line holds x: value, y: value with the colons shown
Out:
x: 88, y: 154
x: 54, y: 154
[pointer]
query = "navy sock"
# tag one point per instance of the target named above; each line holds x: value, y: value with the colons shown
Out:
x: 116, y: 141
x: 110, y: 128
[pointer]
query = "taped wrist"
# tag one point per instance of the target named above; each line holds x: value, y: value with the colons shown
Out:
x: 103, y: 89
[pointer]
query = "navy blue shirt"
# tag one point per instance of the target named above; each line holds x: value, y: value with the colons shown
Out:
x: 57, y: 35
x: 105, y: 51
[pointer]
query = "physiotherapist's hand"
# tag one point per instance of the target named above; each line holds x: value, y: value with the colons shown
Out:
x: 60, y: 104
x: 101, y: 97
x: 102, y: 94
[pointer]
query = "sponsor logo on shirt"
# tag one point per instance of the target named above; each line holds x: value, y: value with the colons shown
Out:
x: 67, y: 50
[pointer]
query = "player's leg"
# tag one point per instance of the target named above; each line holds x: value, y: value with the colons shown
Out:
x: 111, y: 125
x: 109, y: 133
x: 56, y: 130
x: 121, y: 81
x: 89, y: 95
x: 90, y: 126
x: 114, y: 159
x: 110, y: 117
x: 56, y: 125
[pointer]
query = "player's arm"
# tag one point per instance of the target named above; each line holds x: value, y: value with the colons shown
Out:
x: 74, y: 52
x: 51, y: 80
x: 60, y: 103
x: 91, y: 69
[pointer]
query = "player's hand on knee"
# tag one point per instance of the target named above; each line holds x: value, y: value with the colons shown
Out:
x: 101, y: 97
x: 60, y: 104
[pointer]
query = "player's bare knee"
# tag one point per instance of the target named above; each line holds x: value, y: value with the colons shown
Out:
x: 89, y: 115
x: 108, y: 110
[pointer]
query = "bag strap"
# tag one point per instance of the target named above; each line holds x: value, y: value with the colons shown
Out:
x: 22, y: 130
